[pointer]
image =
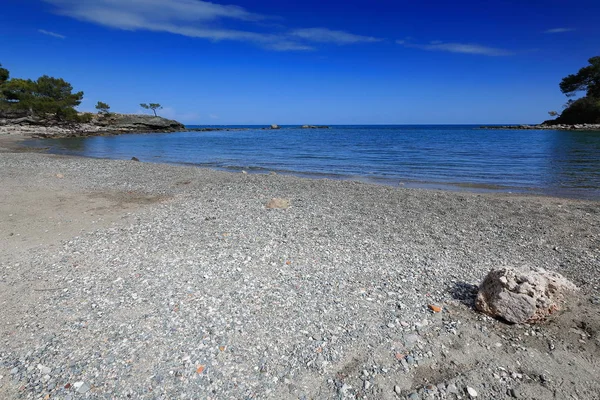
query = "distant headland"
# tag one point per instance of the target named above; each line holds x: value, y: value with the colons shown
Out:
x: 582, y: 114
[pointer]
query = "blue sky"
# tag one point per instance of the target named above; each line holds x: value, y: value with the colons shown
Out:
x: 308, y: 62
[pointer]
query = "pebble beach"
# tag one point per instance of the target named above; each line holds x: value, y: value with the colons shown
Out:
x: 133, y: 280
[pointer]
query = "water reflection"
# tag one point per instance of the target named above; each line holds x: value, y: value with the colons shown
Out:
x: 551, y: 162
x: 574, y: 161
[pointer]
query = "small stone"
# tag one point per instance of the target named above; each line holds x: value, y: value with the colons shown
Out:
x: 430, y: 389
x: 397, y: 389
x: 43, y: 369
x: 413, y: 396
x: 404, y: 364
x: 81, y: 387
x: 345, y: 389
x: 278, y: 203
x: 60, y: 176
x: 410, y: 360
x: 14, y: 371
x: 512, y: 393
x: 452, y: 388
x: 472, y: 392
x: 367, y: 385
x: 244, y: 172
x: 135, y: 159
x: 435, y: 308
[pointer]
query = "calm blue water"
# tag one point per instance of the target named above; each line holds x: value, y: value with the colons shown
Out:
x: 458, y: 157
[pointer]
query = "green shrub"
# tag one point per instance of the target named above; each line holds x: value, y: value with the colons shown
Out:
x: 582, y: 111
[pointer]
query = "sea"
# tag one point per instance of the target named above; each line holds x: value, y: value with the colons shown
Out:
x: 447, y: 157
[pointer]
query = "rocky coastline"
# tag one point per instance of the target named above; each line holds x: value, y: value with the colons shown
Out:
x: 111, y: 124
x: 103, y: 124
x: 562, y: 127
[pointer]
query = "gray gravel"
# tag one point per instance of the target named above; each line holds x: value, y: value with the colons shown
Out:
x: 210, y: 295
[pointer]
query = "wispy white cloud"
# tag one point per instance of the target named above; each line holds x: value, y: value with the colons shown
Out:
x: 559, y: 30
x: 464, y: 48
x: 324, y: 35
x: 53, y: 34
x: 135, y: 11
x: 199, y: 19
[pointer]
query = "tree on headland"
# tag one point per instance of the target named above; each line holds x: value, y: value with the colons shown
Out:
x: 587, y: 79
x: 57, y: 93
x: 553, y: 113
x: 46, y: 95
x: 585, y: 110
x: 152, y: 106
x: 4, y: 75
x: 102, y: 108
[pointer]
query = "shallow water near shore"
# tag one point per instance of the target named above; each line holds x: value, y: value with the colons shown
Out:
x: 558, y: 163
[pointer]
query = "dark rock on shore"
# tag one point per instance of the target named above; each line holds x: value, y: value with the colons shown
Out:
x: 111, y: 124
x: 134, y: 122
x: 564, y: 127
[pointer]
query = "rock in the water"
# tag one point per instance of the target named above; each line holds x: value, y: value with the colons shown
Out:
x: 274, y: 126
x: 278, y: 203
x: 135, y: 159
x: 314, y: 127
x: 520, y: 296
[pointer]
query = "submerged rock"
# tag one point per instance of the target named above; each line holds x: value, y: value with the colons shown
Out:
x: 523, y: 296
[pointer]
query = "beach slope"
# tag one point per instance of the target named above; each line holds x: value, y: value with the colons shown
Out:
x: 121, y: 279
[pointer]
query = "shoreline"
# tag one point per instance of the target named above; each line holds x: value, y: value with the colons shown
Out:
x: 10, y: 143
x: 558, y: 127
x: 109, y: 258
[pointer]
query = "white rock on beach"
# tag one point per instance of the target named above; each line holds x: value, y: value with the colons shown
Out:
x: 472, y: 392
x: 520, y: 295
